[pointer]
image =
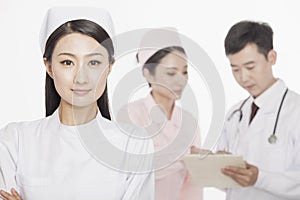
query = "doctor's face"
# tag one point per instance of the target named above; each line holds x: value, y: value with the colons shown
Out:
x: 170, y: 76
x: 252, y: 70
x: 79, y: 68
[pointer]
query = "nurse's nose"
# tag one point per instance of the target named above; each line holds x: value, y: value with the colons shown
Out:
x: 181, y: 80
x: 81, y: 75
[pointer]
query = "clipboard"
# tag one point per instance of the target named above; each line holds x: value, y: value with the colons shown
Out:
x: 205, y: 170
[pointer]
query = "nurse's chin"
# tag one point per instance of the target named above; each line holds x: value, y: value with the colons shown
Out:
x: 79, y: 102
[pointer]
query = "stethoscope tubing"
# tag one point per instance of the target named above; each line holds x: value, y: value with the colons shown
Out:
x: 273, y: 136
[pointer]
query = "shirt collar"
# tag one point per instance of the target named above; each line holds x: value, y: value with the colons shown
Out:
x: 71, y: 130
x: 271, y: 97
x: 176, y: 114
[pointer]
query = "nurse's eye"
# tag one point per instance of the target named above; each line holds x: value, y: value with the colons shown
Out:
x: 67, y: 62
x: 171, y: 73
x: 94, y: 63
x: 185, y: 73
x: 250, y: 67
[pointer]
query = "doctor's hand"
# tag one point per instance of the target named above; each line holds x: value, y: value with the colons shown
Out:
x: 13, y: 196
x: 243, y: 176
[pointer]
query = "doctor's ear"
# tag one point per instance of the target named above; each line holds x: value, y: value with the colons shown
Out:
x: 272, y: 56
x: 48, y: 67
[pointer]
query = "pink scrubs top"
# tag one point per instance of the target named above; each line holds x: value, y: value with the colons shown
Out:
x: 172, y: 139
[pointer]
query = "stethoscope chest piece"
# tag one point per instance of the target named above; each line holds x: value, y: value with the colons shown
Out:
x: 272, y: 139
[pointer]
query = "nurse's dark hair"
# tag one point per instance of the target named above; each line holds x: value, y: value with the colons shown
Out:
x: 86, y: 27
x: 249, y: 32
x: 155, y: 59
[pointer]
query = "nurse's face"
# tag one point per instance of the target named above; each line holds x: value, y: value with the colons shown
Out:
x: 170, y: 76
x: 79, y: 68
x: 252, y: 70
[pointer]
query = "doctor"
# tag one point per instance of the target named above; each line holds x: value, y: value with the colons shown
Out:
x: 263, y: 128
x: 46, y: 159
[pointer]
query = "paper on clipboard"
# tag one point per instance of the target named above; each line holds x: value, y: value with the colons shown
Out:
x: 205, y: 170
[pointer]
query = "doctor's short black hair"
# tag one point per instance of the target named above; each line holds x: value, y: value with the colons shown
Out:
x: 249, y: 32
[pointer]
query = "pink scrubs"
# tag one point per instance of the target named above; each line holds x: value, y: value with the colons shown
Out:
x: 172, y: 182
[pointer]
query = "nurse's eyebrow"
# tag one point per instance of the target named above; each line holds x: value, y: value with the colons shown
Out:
x: 94, y: 54
x: 67, y: 54
x: 175, y: 67
x: 88, y: 55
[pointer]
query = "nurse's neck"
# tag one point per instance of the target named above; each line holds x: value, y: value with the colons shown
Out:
x: 166, y: 104
x: 73, y: 115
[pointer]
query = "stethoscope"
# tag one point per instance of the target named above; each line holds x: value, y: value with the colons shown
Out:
x: 273, y: 138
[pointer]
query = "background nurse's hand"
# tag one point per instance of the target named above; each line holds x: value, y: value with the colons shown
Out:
x: 223, y: 152
x: 195, y: 150
x: 243, y: 176
x: 13, y: 196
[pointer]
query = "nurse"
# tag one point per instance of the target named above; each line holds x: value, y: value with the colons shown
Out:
x: 46, y: 158
x: 264, y: 128
x: 173, y: 130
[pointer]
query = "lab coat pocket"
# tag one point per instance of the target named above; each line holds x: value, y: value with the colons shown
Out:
x: 24, y: 180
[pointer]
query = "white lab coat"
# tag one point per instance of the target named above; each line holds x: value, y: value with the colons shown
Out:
x: 279, y: 163
x: 45, y: 159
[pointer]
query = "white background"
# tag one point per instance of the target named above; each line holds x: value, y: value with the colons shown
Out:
x: 206, y: 22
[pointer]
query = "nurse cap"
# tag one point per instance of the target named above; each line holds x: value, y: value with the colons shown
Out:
x: 155, y: 40
x: 57, y: 16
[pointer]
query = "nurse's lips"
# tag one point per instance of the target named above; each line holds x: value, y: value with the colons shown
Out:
x: 80, y: 91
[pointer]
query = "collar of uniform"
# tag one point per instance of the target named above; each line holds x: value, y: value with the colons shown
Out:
x: 176, y: 114
x: 271, y: 97
x: 71, y: 131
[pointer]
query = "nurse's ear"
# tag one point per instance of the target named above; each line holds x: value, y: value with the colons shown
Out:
x: 48, y: 68
x: 272, y: 56
x: 147, y: 74
x: 112, y: 62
